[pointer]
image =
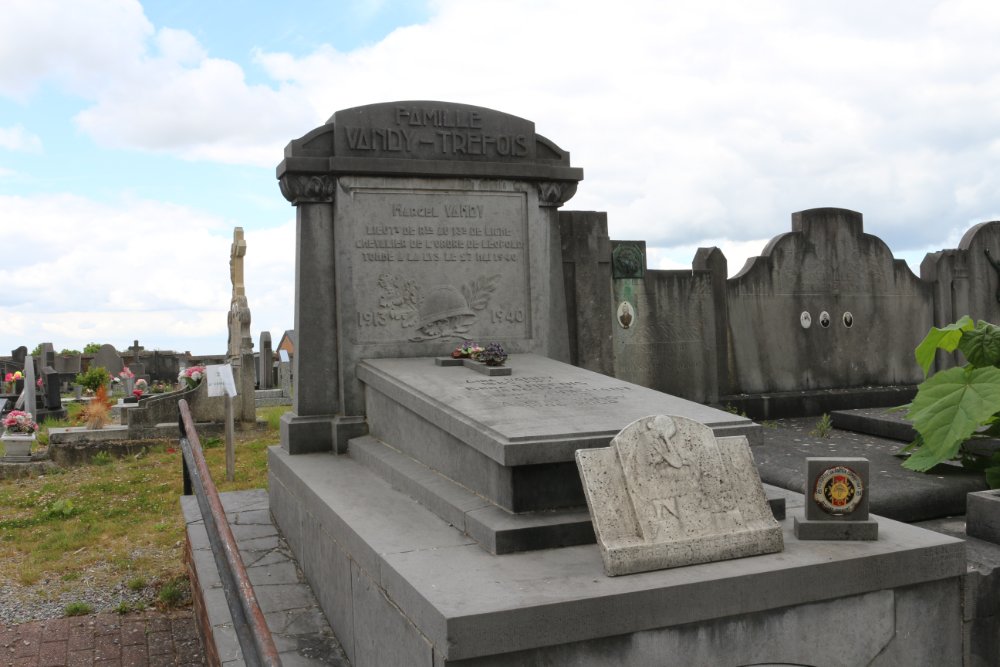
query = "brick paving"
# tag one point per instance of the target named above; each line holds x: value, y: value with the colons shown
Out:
x: 145, y: 639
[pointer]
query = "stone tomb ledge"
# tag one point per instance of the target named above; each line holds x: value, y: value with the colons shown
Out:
x: 512, y: 439
x: 541, y: 413
x: 402, y: 587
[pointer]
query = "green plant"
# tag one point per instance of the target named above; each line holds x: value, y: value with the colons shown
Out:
x: 37, y: 351
x: 122, y: 608
x: 957, y: 404
x: 94, y: 378
x: 78, y: 609
x: 91, y: 348
x: 172, y: 593
x: 823, y: 427
x: 62, y: 508
x: 101, y: 459
x: 136, y: 584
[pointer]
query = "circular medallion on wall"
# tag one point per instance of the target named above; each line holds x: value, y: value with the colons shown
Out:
x: 626, y: 315
x: 824, y: 319
x: 848, y: 320
x: 838, y: 490
x: 805, y: 319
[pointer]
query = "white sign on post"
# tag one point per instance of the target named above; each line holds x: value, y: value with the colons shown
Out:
x: 220, y: 380
x: 221, y: 383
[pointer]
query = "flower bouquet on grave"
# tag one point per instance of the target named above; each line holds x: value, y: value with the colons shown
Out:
x: 10, y: 380
x: 18, y: 435
x: 19, y: 422
x: 467, y: 350
x: 493, y: 355
x: 190, y: 377
x: 140, y: 388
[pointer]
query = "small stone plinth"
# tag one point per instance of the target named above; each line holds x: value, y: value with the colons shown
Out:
x: 478, y: 366
x: 982, y: 515
x: 666, y: 493
x: 836, y: 500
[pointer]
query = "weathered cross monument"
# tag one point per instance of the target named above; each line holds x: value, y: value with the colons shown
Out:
x: 439, y: 514
x: 240, y: 349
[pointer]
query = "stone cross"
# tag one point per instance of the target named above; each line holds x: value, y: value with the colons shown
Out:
x: 236, y: 253
x: 239, y: 310
x: 136, y: 349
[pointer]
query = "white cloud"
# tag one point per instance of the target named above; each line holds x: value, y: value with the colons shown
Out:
x: 75, y: 44
x: 16, y: 138
x: 135, y: 269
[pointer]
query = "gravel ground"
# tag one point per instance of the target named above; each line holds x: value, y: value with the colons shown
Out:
x: 39, y: 603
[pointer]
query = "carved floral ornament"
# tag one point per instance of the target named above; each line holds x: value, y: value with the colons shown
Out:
x: 303, y: 188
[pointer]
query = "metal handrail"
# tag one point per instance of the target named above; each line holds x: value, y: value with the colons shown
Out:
x: 248, y: 620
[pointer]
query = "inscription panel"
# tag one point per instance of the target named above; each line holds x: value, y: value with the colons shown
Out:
x: 439, y: 266
x: 543, y: 391
x: 433, y: 131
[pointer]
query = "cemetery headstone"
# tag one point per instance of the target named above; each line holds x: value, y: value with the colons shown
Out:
x: 667, y: 493
x: 68, y: 366
x: 18, y: 355
x: 284, y: 373
x: 265, y: 361
x: 46, y: 355
x: 108, y: 357
x: 29, y: 395
x: 837, y: 495
x: 51, y: 386
x: 451, y: 233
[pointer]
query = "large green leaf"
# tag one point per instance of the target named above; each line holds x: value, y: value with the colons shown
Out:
x: 981, y: 346
x: 947, y: 410
x: 946, y: 338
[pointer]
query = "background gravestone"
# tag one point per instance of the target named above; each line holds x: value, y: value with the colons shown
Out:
x: 68, y: 366
x: 51, y: 386
x: 18, y: 355
x: 447, y: 228
x: 108, y: 357
x: 265, y: 362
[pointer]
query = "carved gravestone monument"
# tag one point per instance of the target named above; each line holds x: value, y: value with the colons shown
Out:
x: 667, y: 493
x: 240, y: 342
x: 446, y: 228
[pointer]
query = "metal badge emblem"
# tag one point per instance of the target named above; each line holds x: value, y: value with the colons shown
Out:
x: 838, y: 490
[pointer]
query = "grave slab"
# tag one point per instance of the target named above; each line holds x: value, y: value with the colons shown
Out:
x: 896, y: 493
x: 512, y: 439
x: 474, y: 608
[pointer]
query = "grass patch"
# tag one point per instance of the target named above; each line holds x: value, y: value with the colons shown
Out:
x: 117, y: 523
x: 823, y: 427
x: 78, y: 609
x: 172, y: 593
x: 272, y: 414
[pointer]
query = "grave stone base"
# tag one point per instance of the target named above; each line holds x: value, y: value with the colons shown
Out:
x: 401, y: 586
x: 836, y: 530
x: 431, y: 542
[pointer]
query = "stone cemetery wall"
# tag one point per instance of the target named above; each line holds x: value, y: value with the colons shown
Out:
x: 966, y: 280
x: 825, y: 308
x: 866, y: 310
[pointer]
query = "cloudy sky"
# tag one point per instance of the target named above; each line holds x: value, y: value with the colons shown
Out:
x: 134, y: 136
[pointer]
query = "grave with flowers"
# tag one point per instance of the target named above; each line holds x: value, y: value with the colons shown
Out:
x: 19, y: 436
